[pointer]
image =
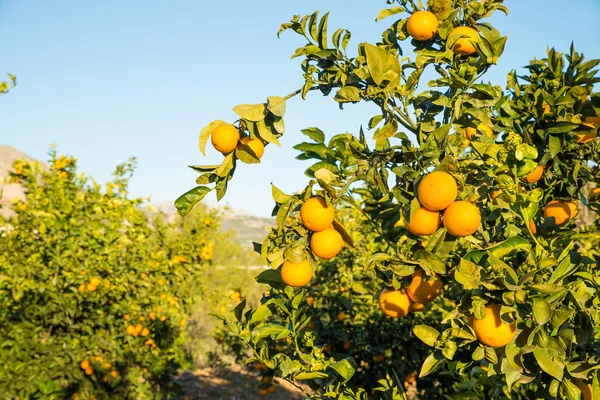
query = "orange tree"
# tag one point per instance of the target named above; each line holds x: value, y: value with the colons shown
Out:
x: 95, y: 289
x: 480, y: 188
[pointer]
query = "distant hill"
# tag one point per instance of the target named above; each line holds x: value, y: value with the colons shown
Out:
x: 248, y: 227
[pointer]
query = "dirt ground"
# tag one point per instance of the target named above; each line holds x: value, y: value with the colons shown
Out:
x: 232, y: 383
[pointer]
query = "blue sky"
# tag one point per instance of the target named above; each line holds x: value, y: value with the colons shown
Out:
x: 107, y: 80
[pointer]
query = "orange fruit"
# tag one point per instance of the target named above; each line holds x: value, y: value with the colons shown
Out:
x: 481, y: 129
x: 85, y: 364
x: 145, y: 332
x: 114, y: 373
x: 341, y: 317
x: 89, y: 371
x: 131, y: 330
x: 585, y: 388
x: 327, y: 243
x: 424, y: 222
x: 272, y: 389
x: 559, y: 210
x: 378, y: 358
x: 594, y: 194
x: 573, y: 208
x: 410, y: 378
x: 416, y: 307
x: 462, y: 218
x: 256, y: 145
x: 296, y: 274
x: 263, y: 392
x: 95, y: 281
x: 495, y: 193
x: 437, y: 190
x: 490, y: 330
x: 547, y: 109
x: 463, y: 46
x: 424, y: 291
x: 225, y: 138
x: 395, y: 303
x: 587, y: 136
x: 535, y: 175
x: 266, y: 379
x: 310, y: 301
x: 316, y: 215
x: 532, y: 227
x: 422, y: 25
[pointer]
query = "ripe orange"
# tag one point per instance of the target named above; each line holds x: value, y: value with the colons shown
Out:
x: 594, y: 194
x: 263, y: 392
x: 547, y: 109
x: 464, y: 46
x: 316, y: 215
x: 89, y: 371
x: 85, y: 364
x: 573, y: 208
x: 490, y: 330
x: 327, y: 243
x: 114, y: 373
x: 395, y: 303
x: 424, y: 222
x: 95, y: 281
x: 131, y: 330
x: 272, y: 389
x: 422, y: 25
x: 416, y: 307
x: 341, y: 317
x: 437, y: 190
x: 462, y: 218
x: 593, y: 123
x: 310, y: 301
x: 424, y: 291
x: 225, y: 138
x: 296, y: 274
x: 481, y: 129
x: 256, y: 145
x: 585, y: 388
x: 535, y: 175
x: 378, y: 358
x: 559, y: 210
x: 266, y: 379
x: 532, y: 227
x: 145, y: 332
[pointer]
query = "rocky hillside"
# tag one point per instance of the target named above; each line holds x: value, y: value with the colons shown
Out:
x: 8, y: 155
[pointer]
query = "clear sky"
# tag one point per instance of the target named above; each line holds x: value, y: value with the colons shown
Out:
x: 106, y: 80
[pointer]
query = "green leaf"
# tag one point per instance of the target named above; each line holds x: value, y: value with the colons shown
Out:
x: 468, y: 274
x: 342, y: 231
x: 383, y: 66
x: 239, y: 309
x: 322, y: 31
x: 348, y: 94
x: 560, y: 127
x: 276, y: 105
x: 302, y: 376
x: 251, y: 112
x: 205, y: 134
x: 278, y: 195
x: 266, y: 134
x: 551, y: 365
x: 541, y: 310
x: 260, y: 313
x: 315, y: 134
x: 389, y: 12
x: 246, y: 154
x: 188, y: 200
x: 271, y: 277
x: 431, y: 261
x: 427, y: 334
x: 441, y: 8
x: 431, y: 363
x: 267, y: 330
x: 344, y: 368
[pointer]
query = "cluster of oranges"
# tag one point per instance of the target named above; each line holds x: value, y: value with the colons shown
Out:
x: 225, y: 138
x: 398, y: 303
x: 207, y: 251
x: 236, y: 296
x: 423, y: 25
x: 88, y: 368
x: 93, y: 284
x: 325, y: 242
x: 590, y: 121
x: 178, y: 259
x: 437, y: 192
x: 267, y: 385
x: 61, y: 164
x: 137, y: 329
